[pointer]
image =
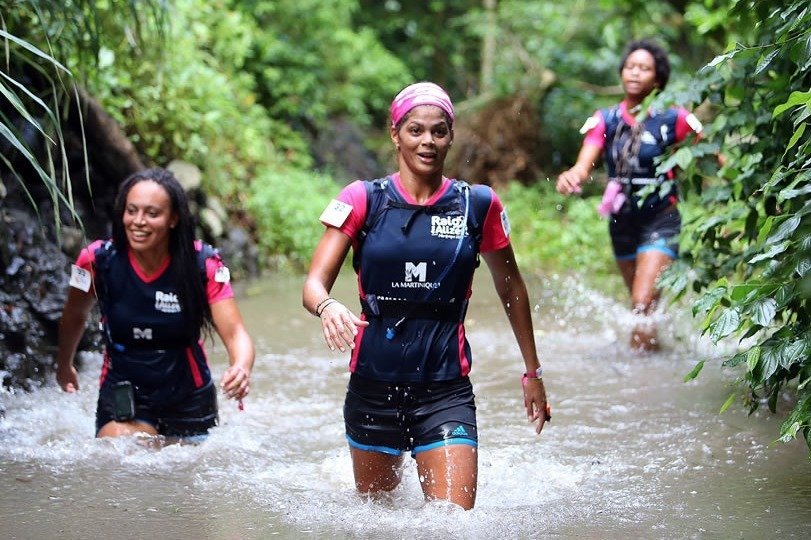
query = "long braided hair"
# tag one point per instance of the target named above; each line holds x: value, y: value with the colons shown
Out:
x: 183, y: 266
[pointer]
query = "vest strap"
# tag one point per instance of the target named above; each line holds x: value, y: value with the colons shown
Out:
x: 373, y: 306
x: 638, y: 181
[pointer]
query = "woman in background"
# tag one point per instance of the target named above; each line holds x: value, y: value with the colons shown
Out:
x: 644, y: 219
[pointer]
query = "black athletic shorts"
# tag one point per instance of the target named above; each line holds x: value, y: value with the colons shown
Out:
x: 637, y: 231
x: 191, y: 415
x: 395, y: 417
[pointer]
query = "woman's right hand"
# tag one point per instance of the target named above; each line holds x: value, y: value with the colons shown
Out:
x: 569, y: 182
x: 340, y: 326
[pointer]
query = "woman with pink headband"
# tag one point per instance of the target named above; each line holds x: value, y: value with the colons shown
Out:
x: 416, y: 238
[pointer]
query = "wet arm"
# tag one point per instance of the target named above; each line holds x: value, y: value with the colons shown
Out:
x: 338, y: 322
x: 71, y: 328
x: 230, y: 327
x: 327, y: 259
x: 512, y: 292
x: 569, y: 181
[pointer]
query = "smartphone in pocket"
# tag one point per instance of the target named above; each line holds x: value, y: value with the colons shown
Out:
x: 124, y: 401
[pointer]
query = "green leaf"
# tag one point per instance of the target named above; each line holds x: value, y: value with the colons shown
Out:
x: 741, y: 292
x: 784, y: 294
x: 25, y: 45
x: 735, y: 360
x: 718, y: 59
x: 683, y: 157
x: 730, y: 400
x: 770, y: 253
x: 708, y: 300
x: 764, y: 63
x: 752, y: 358
x: 784, y: 230
x: 792, y: 193
x: 18, y: 105
x: 794, y: 352
x: 796, y: 137
x: 694, y: 372
x: 790, y: 433
x: 9, y: 136
x: 727, y: 323
x: 770, y: 360
x: 764, y: 311
x: 796, y: 98
x: 765, y: 229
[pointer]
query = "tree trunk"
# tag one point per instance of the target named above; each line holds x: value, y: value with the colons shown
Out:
x: 488, y: 47
x: 119, y: 157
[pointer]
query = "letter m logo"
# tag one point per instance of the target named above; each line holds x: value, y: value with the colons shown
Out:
x: 146, y: 333
x: 415, y: 272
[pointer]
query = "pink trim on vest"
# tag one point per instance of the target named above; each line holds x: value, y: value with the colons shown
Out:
x: 464, y: 361
x: 195, y: 369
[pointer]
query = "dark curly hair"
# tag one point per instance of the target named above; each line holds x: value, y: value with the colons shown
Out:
x: 659, y: 57
x: 191, y: 292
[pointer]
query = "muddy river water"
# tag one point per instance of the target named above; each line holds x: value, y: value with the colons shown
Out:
x: 633, y: 451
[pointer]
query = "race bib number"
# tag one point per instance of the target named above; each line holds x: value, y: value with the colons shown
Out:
x: 79, y: 278
x: 222, y: 275
x: 590, y: 124
x: 694, y: 123
x: 505, y: 223
x: 335, y: 213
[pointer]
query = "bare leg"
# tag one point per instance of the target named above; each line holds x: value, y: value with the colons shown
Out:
x: 449, y: 473
x: 123, y: 429
x: 628, y: 269
x: 375, y: 472
x: 644, y: 296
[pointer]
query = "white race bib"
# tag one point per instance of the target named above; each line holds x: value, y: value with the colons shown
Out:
x: 694, y: 123
x: 335, y: 213
x: 505, y: 223
x: 222, y: 275
x: 590, y: 124
x: 79, y: 278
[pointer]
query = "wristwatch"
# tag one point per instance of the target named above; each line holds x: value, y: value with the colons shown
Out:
x: 537, y: 374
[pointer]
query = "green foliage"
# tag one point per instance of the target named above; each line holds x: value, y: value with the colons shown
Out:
x: 190, y: 99
x: 436, y: 40
x: 33, y: 112
x: 286, y: 204
x: 39, y: 85
x: 311, y: 63
x: 750, y: 251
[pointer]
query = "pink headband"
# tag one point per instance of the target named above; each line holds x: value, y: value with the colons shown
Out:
x: 423, y: 93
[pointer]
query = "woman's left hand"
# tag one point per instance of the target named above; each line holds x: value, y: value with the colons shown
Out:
x: 538, y: 409
x: 236, y: 382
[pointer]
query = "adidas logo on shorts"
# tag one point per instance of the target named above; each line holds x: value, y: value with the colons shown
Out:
x: 459, y: 432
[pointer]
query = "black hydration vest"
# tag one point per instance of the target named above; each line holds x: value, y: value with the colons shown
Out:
x: 415, y: 266
x: 639, y: 169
